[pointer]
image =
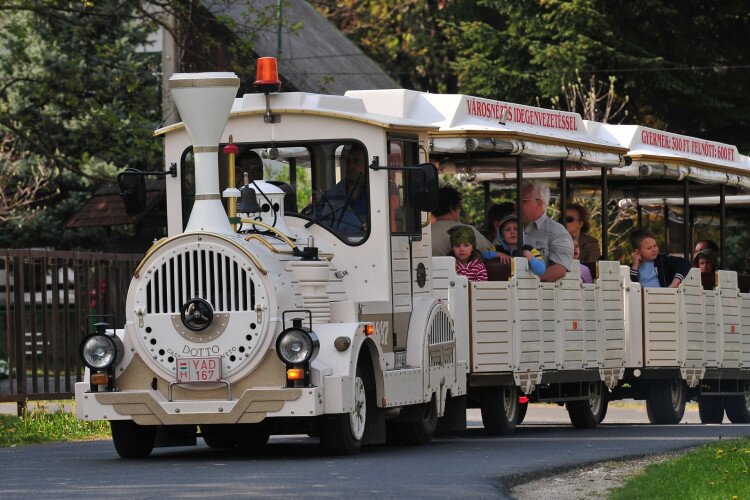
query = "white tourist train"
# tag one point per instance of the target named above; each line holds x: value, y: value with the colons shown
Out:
x: 313, y: 304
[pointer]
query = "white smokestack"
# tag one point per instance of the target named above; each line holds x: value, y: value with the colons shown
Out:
x: 204, y: 101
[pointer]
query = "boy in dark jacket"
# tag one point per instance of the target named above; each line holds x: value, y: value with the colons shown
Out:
x: 652, y: 269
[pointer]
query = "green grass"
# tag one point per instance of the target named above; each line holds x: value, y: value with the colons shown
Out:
x: 41, y: 426
x: 715, y: 471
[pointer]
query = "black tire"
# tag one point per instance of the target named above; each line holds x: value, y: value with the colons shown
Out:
x: 711, y: 410
x: 605, y: 407
x: 666, y: 401
x: 500, y: 409
x: 738, y: 408
x: 587, y: 413
x: 225, y: 436
x: 132, y: 440
x: 420, y: 428
x: 343, y: 433
x: 522, y: 409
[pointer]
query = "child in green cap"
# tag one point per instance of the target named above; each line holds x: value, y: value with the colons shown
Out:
x: 468, y: 261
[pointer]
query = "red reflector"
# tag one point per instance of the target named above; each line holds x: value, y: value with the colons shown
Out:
x: 369, y: 329
x: 267, y: 72
x: 231, y: 149
x: 523, y: 400
x: 295, y: 374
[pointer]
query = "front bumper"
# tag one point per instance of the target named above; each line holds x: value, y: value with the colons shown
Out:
x: 152, y: 408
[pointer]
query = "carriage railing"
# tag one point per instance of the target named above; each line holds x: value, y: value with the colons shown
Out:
x: 45, y: 300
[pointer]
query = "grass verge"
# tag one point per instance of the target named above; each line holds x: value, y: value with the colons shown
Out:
x: 41, y: 426
x: 717, y: 470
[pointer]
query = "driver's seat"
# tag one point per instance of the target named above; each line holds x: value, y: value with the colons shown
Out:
x: 290, y: 197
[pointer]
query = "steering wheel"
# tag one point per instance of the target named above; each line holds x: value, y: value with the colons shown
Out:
x: 196, y: 314
x: 322, y: 204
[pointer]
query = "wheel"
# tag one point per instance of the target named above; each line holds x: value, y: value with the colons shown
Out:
x: 246, y: 436
x: 522, y: 409
x: 738, y: 408
x: 500, y: 409
x: 587, y: 413
x: 666, y: 401
x: 605, y: 405
x: 711, y: 410
x: 132, y: 440
x: 421, y: 424
x: 342, y: 434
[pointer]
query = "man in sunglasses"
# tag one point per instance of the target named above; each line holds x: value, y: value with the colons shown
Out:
x: 549, y: 237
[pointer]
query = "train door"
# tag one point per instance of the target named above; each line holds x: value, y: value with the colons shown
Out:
x: 408, y: 264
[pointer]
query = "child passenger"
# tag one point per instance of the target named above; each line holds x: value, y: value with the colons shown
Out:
x: 468, y: 261
x: 507, y: 240
x: 652, y: 269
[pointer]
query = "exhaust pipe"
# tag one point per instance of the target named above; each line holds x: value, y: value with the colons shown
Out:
x: 204, y: 101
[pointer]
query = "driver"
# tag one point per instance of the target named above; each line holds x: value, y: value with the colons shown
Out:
x: 347, y: 201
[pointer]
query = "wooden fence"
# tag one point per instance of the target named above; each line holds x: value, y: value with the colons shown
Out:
x: 47, y: 299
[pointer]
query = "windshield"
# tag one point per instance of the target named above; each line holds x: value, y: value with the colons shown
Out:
x: 326, y: 182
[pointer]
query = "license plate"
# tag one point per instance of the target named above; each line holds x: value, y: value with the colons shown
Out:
x: 199, y: 369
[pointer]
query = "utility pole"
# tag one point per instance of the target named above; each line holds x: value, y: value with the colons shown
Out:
x: 170, y: 61
x: 280, y: 13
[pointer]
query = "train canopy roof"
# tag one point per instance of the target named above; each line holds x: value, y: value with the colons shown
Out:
x: 660, y: 154
x: 350, y: 108
x: 470, y: 124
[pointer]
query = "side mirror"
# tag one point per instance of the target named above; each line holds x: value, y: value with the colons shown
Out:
x: 133, y: 191
x: 423, y: 187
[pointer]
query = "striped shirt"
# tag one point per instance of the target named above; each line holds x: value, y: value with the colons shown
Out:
x: 475, y: 270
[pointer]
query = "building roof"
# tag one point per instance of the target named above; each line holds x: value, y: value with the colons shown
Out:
x: 106, y: 208
x: 315, y: 58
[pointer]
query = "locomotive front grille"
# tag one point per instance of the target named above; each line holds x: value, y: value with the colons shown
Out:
x: 199, y: 273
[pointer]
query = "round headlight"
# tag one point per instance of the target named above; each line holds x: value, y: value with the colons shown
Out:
x: 98, y: 351
x: 296, y: 346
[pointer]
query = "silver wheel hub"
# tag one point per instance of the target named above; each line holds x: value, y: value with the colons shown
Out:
x: 357, y: 417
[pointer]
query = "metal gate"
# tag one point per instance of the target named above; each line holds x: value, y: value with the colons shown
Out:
x: 45, y: 299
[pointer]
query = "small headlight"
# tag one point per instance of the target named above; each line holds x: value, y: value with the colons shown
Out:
x: 99, y: 351
x: 296, y: 346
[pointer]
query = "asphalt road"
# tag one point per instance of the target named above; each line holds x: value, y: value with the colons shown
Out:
x: 469, y: 464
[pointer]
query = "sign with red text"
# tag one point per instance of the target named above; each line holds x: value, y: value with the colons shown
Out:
x: 505, y: 113
x: 708, y: 150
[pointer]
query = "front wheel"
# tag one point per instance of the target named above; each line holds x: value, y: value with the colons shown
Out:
x: 132, y: 440
x: 342, y: 434
x: 522, y: 409
x: 738, y: 408
x: 587, y: 413
x: 711, y: 410
x: 500, y: 409
x: 666, y: 401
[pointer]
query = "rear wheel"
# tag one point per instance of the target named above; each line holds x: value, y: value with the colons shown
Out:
x: 132, y: 440
x: 342, y: 434
x: 738, y: 408
x: 711, y: 410
x: 587, y: 413
x: 500, y: 409
x: 421, y: 424
x: 666, y: 401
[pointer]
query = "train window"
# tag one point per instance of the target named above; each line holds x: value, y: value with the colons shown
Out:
x: 404, y: 219
x: 327, y: 181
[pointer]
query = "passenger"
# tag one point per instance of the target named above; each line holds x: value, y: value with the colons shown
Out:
x: 652, y: 269
x: 447, y: 215
x: 468, y: 261
x: 578, y: 224
x: 706, y: 244
x: 705, y: 260
x: 585, y: 271
x: 508, y: 240
x: 544, y: 234
x: 495, y: 214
